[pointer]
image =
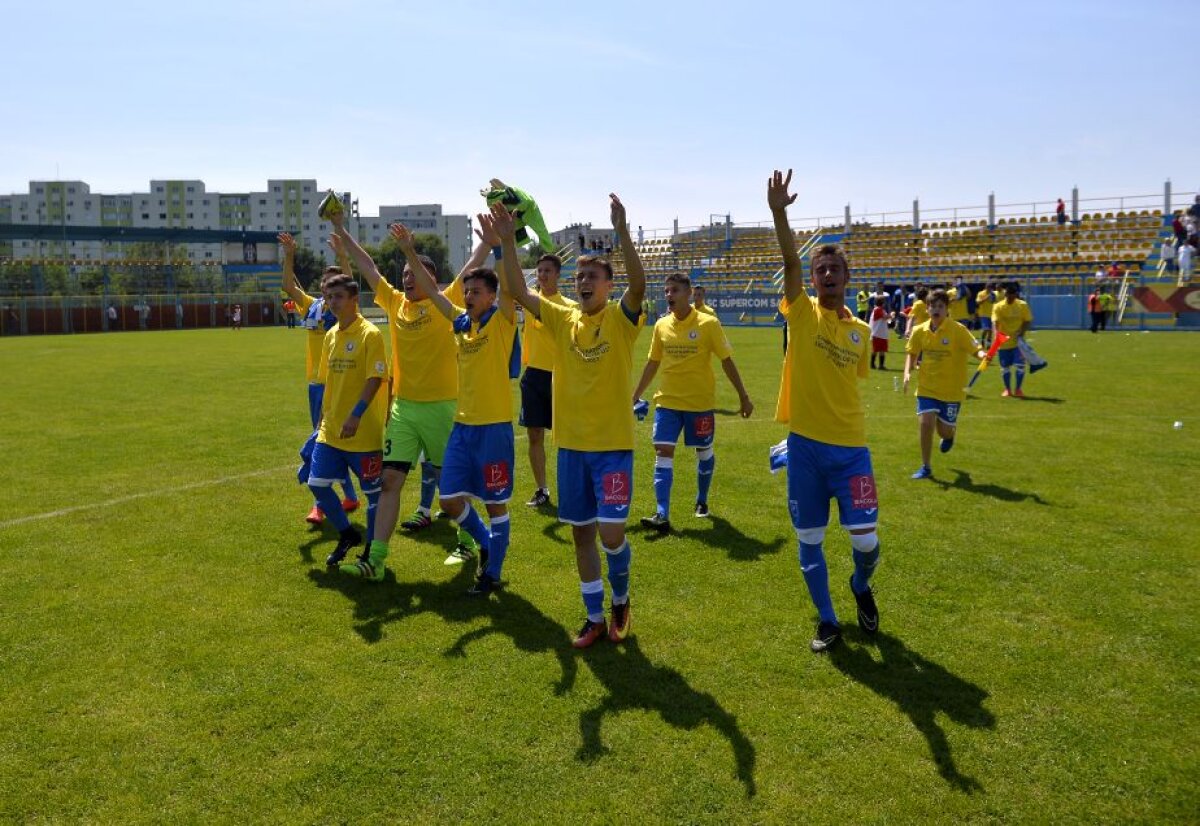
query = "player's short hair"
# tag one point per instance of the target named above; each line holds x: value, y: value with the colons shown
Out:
x: 332, y: 270
x: 429, y: 265
x: 939, y: 295
x: 599, y: 261
x: 337, y: 280
x: 553, y: 260
x: 1013, y: 287
x: 922, y: 292
x: 484, y: 274
x: 678, y: 278
x: 833, y: 251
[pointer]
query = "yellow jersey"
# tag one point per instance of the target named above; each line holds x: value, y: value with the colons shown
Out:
x: 685, y: 350
x: 704, y: 308
x: 351, y: 357
x: 423, y: 352
x: 943, y: 373
x: 919, y: 314
x: 984, y: 301
x: 827, y: 355
x: 592, y: 395
x: 958, y: 303
x: 538, y: 349
x: 1009, y: 318
x: 314, y: 339
x: 483, y: 355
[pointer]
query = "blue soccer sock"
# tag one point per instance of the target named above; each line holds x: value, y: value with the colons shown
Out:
x: 372, y: 506
x: 348, y: 489
x: 497, y: 545
x: 618, y: 571
x: 1020, y: 375
x: 330, y: 505
x: 664, y: 477
x: 428, y: 487
x: 704, y: 472
x: 1007, y: 371
x: 816, y: 576
x: 864, y: 565
x: 470, y: 522
x: 593, y: 599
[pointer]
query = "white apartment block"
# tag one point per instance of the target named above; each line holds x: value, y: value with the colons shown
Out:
x: 286, y: 205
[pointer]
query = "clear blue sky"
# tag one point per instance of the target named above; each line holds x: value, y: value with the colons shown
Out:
x: 682, y: 108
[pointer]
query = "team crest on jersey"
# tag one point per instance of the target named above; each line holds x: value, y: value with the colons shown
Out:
x: 945, y: 342
x: 693, y: 335
x: 349, y: 346
x: 379, y: 367
x: 855, y: 337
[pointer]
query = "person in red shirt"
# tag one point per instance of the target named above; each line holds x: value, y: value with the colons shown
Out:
x: 1061, y: 211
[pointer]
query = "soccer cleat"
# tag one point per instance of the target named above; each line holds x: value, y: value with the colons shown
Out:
x: 1019, y: 393
x: 945, y: 444
x: 1004, y: 394
x: 350, y: 538
x: 459, y: 555
x: 349, y: 505
x: 621, y: 622
x: 868, y: 613
x: 315, y: 516
x: 702, y: 510
x: 540, y: 498
x: 925, y: 472
x: 828, y: 633
x: 369, y: 569
x: 589, y: 633
x: 658, y: 522
x: 441, y: 515
x: 483, y: 586
x: 418, y: 521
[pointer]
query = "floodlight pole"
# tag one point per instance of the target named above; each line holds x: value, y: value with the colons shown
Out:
x: 1167, y: 210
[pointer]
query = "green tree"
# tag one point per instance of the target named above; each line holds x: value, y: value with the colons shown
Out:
x: 391, y: 263
x: 530, y: 256
x: 308, y: 267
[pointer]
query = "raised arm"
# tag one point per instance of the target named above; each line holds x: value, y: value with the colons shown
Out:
x: 500, y: 230
x: 512, y: 279
x: 423, y: 276
x: 289, y: 268
x: 366, y: 264
x: 779, y: 200
x: 635, y: 293
x: 735, y: 378
x: 339, y: 253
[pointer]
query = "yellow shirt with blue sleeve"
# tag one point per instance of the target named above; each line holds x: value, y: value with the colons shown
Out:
x: 484, y: 395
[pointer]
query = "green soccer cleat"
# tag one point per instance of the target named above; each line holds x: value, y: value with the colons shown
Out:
x: 372, y: 569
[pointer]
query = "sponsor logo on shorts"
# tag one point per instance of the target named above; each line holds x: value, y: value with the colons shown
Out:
x: 862, y: 493
x: 370, y: 465
x: 496, y: 476
x: 616, y: 488
x: 704, y: 425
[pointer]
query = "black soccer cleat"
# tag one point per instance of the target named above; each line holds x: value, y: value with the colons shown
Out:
x: 657, y: 522
x: 868, y: 612
x: 350, y: 538
x: 483, y: 586
x: 828, y: 633
x: 540, y: 498
x: 701, y: 510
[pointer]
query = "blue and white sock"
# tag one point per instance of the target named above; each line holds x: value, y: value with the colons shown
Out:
x: 1007, y: 371
x: 593, y: 599
x: 816, y: 576
x: 470, y: 522
x: 1020, y: 375
x: 866, y: 558
x: 497, y: 545
x: 664, y: 477
x: 330, y: 505
x: 704, y: 472
x: 618, y: 571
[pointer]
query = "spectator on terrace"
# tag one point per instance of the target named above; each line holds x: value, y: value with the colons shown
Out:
x: 1100, y: 273
x: 1179, y: 230
x: 1114, y: 270
x: 1167, y: 253
x: 1060, y: 212
x: 1194, y: 209
x: 1185, y: 252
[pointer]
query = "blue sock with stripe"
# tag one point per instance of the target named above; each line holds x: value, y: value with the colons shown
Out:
x: 664, y: 477
x: 1007, y: 378
x: 1020, y: 375
x: 348, y: 488
x: 865, y: 563
x: 816, y: 576
x: 470, y: 522
x: 593, y: 599
x: 497, y: 545
x: 330, y: 505
x: 618, y: 571
x: 428, y: 487
x: 704, y: 473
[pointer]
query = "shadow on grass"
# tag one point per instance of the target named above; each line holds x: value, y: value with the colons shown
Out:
x: 635, y: 683
x: 963, y: 481
x: 377, y: 604
x: 1044, y: 399
x: 920, y: 689
x: 720, y: 533
x: 318, y: 535
x: 554, y: 531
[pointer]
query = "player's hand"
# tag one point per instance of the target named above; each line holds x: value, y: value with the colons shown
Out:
x: 503, y: 221
x: 904, y: 391
x: 403, y: 236
x: 617, y: 211
x: 335, y: 243
x: 747, y: 407
x: 338, y: 221
x: 350, y: 427
x: 487, y: 229
x: 286, y: 241
x: 777, y: 191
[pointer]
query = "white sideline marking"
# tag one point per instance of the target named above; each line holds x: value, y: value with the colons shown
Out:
x: 120, y: 500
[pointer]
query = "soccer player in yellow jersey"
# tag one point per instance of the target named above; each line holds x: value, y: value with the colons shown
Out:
x: 479, y: 454
x: 684, y: 342
x: 317, y: 321
x: 943, y: 345
x: 698, y: 302
x: 537, y: 409
x: 920, y: 310
x: 1013, y: 318
x: 985, y: 302
x: 959, y: 297
x: 594, y: 422
x: 424, y: 386
x: 353, y: 410
x: 827, y: 447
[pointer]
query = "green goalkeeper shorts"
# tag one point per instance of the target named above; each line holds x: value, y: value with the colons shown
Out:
x: 416, y: 427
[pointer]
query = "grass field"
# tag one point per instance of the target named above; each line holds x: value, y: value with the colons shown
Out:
x: 172, y: 649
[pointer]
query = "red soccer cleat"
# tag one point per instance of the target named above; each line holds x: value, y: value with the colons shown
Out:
x: 1019, y: 393
x: 315, y: 516
x: 619, y: 629
x: 349, y: 505
x: 589, y: 633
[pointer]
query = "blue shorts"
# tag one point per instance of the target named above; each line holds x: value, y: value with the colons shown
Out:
x: 330, y: 465
x: 697, y: 427
x: 594, y: 485
x: 1010, y: 357
x: 479, y: 462
x: 818, y: 472
x: 946, y: 411
x: 316, y: 392
x: 985, y: 323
